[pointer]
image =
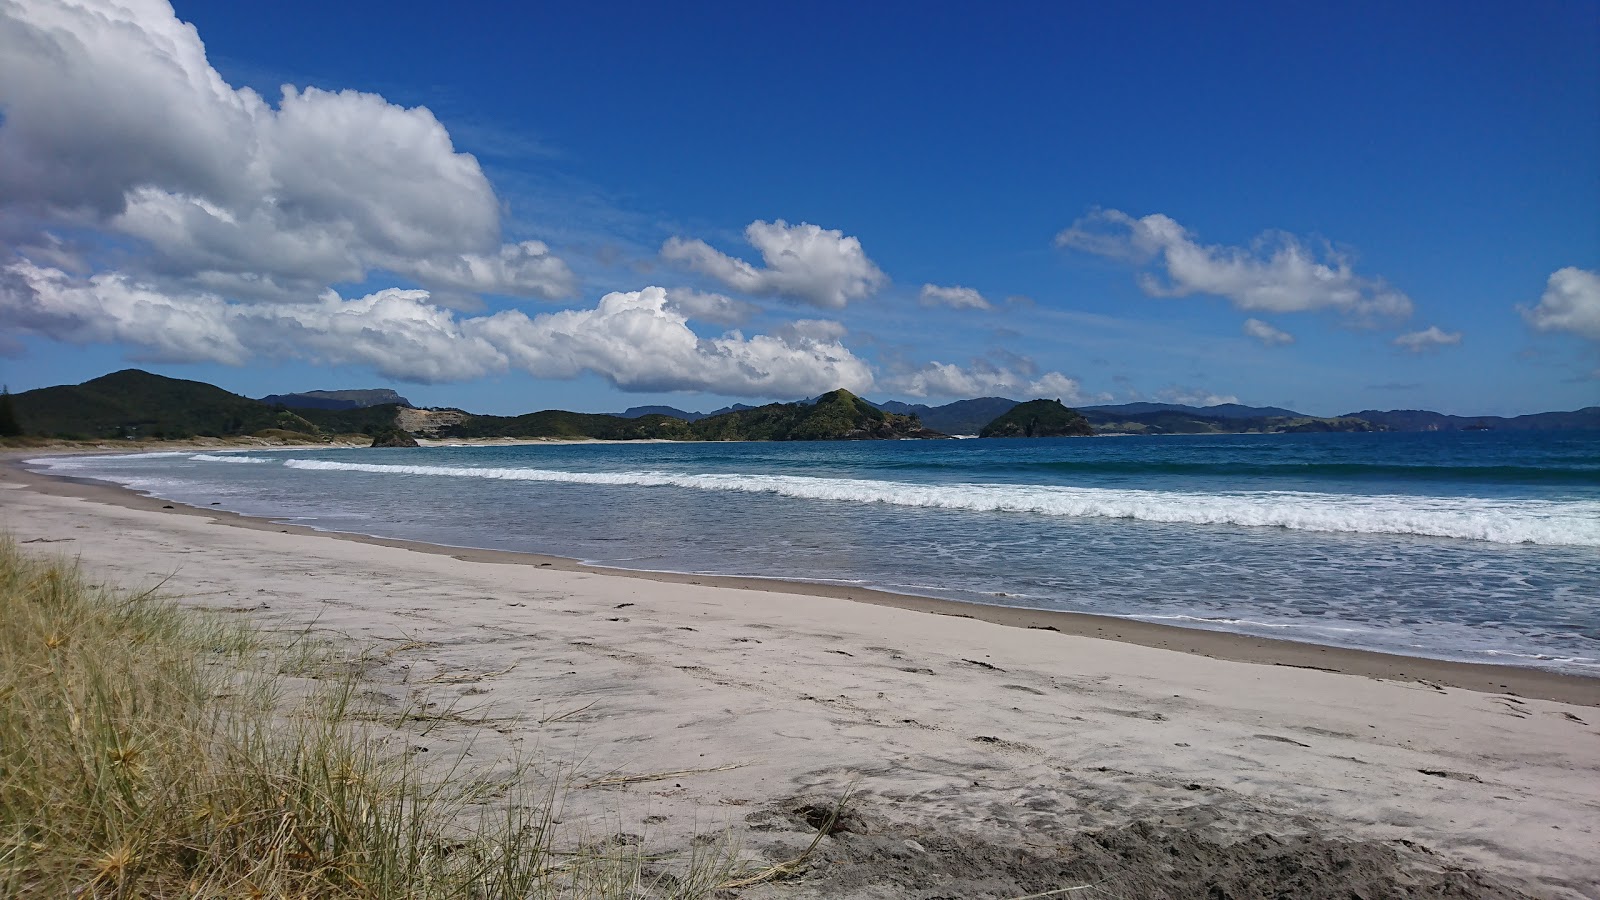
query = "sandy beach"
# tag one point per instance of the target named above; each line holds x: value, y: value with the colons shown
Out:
x: 991, y: 751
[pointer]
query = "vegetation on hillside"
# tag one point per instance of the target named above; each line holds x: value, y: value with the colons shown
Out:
x: 9, y: 426
x: 1179, y: 422
x: 135, y: 404
x: 555, y: 423
x: 1038, y: 418
x: 836, y: 415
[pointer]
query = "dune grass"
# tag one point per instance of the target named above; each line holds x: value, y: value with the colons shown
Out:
x: 147, y: 750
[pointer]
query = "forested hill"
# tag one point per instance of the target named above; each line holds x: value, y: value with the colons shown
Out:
x: 1039, y: 418
x: 133, y: 404
x: 137, y: 405
x: 836, y: 415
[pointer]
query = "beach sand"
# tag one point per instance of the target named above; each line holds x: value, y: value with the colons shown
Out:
x: 993, y: 753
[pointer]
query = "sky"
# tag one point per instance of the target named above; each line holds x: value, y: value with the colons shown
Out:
x: 506, y: 207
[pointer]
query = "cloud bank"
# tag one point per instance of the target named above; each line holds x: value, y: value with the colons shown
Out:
x: 115, y: 119
x: 636, y: 340
x: 1278, y: 273
x: 1571, y: 303
x: 804, y: 264
x: 986, y: 379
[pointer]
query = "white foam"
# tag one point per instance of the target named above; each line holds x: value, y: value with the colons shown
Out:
x: 1574, y: 523
x: 77, y: 462
x: 207, y: 457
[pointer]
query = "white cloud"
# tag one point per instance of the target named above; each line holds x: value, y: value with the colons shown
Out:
x: 804, y: 263
x: 1188, y: 396
x: 985, y: 379
x: 1430, y: 338
x: 639, y: 343
x: 1278, y: 273
x: 637, y: 340
x: 954, y: 297
x: 1266, y: 333
x: 115, y: 118
x: 1571, y: 302
x: 108, y: 308
x: 719, y: 309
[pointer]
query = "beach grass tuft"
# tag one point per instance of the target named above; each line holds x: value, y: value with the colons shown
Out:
x: 147, y: 750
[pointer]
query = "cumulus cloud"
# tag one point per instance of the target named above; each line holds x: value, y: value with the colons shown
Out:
x: 1266, y: 333
x: 985, y: 379
x: 639, y: 343
x: 954, y: 297
x: 1430, y: 338
x: 719, y: 309
x: 115, y: 118
x: 108, y: 308
x: 1571, y: 302
x: 637, y: 340
x: 1278, y: 273
x: 804, y: 263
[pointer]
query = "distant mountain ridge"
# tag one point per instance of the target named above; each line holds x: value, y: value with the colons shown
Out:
x: 134, y: 404
x: 1220, y: 411
x: 635, y: 412
x: 358, y: 399
x: 1427, y: 420
x: 960, y: 417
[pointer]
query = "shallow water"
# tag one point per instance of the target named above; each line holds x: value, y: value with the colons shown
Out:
x: 1472, y: 546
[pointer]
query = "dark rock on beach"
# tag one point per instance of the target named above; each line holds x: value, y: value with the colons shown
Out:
x: 393, y: 437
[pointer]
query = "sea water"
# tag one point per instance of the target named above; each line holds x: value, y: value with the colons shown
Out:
x: 1477, y: 546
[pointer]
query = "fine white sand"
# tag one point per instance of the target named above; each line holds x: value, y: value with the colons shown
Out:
x: 1007, y: 734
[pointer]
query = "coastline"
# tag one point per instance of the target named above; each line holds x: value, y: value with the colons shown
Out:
x: 970, y: 749
x: 1519, y: 681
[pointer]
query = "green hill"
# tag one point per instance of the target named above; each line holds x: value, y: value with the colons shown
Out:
x: 1038, y: 418
x: 137, y: 404
x: 835, y: 416
x: 557, y: 423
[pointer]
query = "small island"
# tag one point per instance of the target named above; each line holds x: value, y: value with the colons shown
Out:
x: 1039, y: 418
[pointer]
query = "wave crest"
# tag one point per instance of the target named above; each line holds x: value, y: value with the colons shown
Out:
x: 1495, y: 521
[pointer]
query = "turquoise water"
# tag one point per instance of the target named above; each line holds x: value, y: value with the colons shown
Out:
x: 1480, y: 546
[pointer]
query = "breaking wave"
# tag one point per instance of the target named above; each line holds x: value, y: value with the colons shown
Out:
x: 207, y: 457
x: 1520, y: 521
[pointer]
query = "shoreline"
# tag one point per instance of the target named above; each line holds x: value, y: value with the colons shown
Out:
x: 979, y: 752
x: 1518, y: 681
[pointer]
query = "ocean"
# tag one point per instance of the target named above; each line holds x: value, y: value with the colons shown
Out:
x: 1474, y: 546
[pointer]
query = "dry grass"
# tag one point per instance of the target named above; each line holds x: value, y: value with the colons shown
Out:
x: 151, y: 751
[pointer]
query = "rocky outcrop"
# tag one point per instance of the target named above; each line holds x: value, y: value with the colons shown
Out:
x: 393, y: 437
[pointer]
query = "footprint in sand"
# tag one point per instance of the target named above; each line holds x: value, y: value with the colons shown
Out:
x: 1149, y: 716
x: 1280, y: 739
x: 990, y: 740
x: 1453, y: 776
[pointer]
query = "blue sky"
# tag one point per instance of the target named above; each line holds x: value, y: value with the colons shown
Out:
x: 607, y: 205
